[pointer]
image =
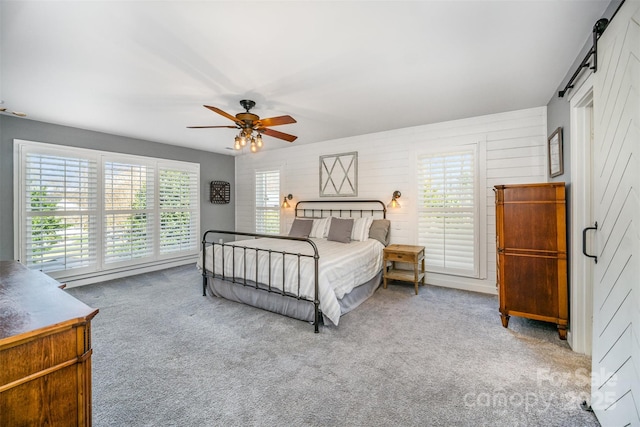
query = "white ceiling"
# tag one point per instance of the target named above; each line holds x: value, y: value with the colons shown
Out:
x: 144, y: 69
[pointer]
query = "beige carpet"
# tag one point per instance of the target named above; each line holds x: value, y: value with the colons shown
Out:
x: 164, y: 355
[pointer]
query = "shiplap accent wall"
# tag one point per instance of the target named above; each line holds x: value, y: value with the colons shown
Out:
x: 511, y: 150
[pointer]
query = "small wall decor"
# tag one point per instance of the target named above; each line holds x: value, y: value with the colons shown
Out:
x: 220, y: 192
x: 554, y: 150
x: 339, y: 175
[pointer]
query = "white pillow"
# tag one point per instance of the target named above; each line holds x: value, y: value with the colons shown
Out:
x: 361, y: 227
x: 320, y: 228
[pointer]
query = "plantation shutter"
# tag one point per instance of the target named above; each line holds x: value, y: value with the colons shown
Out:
x: 85, y: 211
x: 59, y: 211
x: 447, y: 211
x: 179, y: 209
x: 128, y: 211
x: 268, y: 202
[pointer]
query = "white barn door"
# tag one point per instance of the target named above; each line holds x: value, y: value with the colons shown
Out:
x: 615, y: 394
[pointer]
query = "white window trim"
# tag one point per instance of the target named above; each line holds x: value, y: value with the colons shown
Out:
x: 88, y: 275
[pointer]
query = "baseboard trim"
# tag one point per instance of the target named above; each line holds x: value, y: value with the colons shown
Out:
x: 462, y: 283
x: 465, y: 287
x: 104, y: 276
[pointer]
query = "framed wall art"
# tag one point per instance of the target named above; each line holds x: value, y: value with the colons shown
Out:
x: 554, y: 151
x: 339, y: 175
x: 220, y: 192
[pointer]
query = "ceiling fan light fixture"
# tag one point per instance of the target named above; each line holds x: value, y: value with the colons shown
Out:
x: 248, y: 123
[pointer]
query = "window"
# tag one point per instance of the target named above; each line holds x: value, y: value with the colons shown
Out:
x: 447, y: 211
x: 179, y: 209
x: 128, y: 212
x: 59, y: 216
x: 87, y: 211
x: 268, y: 202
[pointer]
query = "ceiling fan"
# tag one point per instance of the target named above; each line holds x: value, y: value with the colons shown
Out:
x: 248, y: 123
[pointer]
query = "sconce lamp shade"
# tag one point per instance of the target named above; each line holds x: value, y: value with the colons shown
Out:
x: 393, y: 204
x: 285, y: 203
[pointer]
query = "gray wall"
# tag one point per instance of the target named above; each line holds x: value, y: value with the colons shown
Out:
x: 212, y: 167
x: 559, y: 115
x: 558, y: 109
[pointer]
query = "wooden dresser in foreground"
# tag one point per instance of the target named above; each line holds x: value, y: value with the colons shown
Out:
x: 45, y: 351
x: 531, y: 238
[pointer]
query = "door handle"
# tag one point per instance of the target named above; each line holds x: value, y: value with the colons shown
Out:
x: 584, y: 241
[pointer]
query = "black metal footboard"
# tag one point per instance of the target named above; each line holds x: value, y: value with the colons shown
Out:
x: 255, y: 281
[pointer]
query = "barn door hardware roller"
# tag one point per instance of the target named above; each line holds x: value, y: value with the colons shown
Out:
x: 598, y: 29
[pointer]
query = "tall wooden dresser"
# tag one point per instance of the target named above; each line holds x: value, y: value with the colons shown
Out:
x: 532, y: 253
x: 45, y: 351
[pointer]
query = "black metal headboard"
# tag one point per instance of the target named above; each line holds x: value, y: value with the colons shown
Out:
x: 341, y: 208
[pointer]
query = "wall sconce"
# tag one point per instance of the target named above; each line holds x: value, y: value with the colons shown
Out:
x: 285, y: 203
x: 394, y: 200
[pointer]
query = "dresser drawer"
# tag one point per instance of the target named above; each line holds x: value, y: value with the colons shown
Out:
x: 37, y: 354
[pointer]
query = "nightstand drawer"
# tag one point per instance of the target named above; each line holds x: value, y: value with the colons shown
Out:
x: 394, y: 256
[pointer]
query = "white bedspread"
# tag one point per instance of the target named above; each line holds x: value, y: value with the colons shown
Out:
x: 342, y: 267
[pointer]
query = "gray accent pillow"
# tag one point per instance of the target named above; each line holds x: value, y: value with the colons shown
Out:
x: 340, y: 230
x: 301, y: 228
x: 379, y: 230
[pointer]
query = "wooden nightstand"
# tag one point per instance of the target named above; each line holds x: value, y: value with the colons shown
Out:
x: 404, y: 253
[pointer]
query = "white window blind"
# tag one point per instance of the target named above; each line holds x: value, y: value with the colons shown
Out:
x: 268, y: 202
x: 128, y: 211
x: 59, y: 211
x: 447, y: 211
x: 86, y: 211
x: 179, y: 209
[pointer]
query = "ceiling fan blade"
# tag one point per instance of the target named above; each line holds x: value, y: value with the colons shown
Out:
x: 276, y: 134
x: 275, y: 121
x: 222, y: 113
x: 207, y: 127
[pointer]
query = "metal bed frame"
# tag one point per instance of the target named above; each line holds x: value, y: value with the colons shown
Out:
x: 208, y: 240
